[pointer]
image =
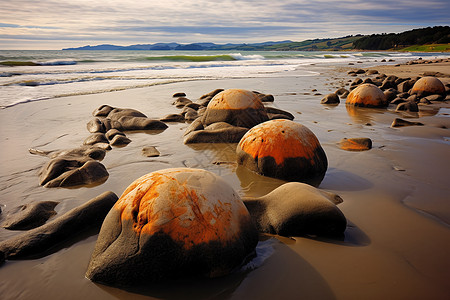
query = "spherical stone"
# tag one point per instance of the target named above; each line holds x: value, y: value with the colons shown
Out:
x: 237, y: 107
x: 427, y: 86
x: 283, y: 149
x: 170, y: 223
x: 367, y: 95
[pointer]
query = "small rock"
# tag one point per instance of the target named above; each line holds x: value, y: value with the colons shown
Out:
x: 178, y: 95
x: 120, y: 140
x: 30, y: 215
x: 150, y: 151
x: 330, y: 99
x: 407, y: 106
x: 173, y: 118
x: 400, y: 123
x: 95, y: 138
x: 356, y: 144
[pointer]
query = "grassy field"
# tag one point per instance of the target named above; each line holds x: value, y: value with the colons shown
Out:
x: 428, y: 48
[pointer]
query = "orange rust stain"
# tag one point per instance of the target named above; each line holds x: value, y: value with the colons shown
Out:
x: 235, y: 99
x: 280, y: 139
x: 160, y: 203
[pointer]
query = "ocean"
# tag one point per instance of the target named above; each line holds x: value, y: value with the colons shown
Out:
x: 31, y: 75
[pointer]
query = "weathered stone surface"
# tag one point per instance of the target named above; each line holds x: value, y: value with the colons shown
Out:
x: 95, y: 138
x: 342, y: 92
x: 283, y: 149
x: 390, y: 94
x: 220, y: 132
x: 93, y: 152
x: 102, y: 111
x: 330, y: 99
x: 150, y: 151
x: 172, y: 223
x: 274, y: 110
x: 95, y: 125
x: 112, y: 133
x: 295, y: 209
x: 237, y: 107
x: 367, y: 95
x: 181, y: 102
x: 435, y: 98
x: 44, y: 238
x: 191, y: 115
x: 407, y: 106
x: 172, y: 118
x: 120, y: 140
x: 178, y: 95
x: 111, y: 124
x: 29, y: 215
x: 117, y: 113
x: 355, y: 144
x: 68, y: 171
x: 139, y: 123
x: 266, y: 97
x: 400, y: 123
x: 428, y: 86
x: 194, y: 126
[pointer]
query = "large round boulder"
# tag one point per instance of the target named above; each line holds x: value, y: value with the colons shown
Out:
x: 171, y: 223
x: 428, y: 86
x: 283, y: 149
x: 237, y: 107
x: 367, y: 95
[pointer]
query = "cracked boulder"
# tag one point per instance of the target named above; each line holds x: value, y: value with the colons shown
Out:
x: 172, y: 223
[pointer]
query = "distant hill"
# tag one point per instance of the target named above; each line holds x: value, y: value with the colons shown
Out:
x: 434, y: 38
x: 398, y: 41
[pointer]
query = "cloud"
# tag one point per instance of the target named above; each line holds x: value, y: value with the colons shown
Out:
x: 136, y: 21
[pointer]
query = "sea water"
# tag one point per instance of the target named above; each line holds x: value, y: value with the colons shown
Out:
x: 31, y: 75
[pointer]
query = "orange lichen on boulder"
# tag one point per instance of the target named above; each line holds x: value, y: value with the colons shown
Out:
x: 236, y: 107
x: 428, y: 86
x: 367, y: 95
x: 173, y: 222
x: 283, y: 149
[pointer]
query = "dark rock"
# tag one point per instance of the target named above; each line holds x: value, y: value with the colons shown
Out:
x: 219, y: 132
x: 389, y: 82
x: 368, y: 80
x: 407, y: 106
x: 102, y: 111
x: 355, y: 144
x: 178, y: 95
x: 30, y: 215
x: 400, y: 123
x: 303, y: 210
x: 118, y: 113
x: 95, y: 138
x: 120, y: 140
x: 112, y: 133
x: 360, y: 71
x: 435, y: 98
x: 111, y: 124
x: 356, y: 82
x: 95, y: 125
x: 68, y: 171
x: 372, y: 72
x: 390, y: 94
x: 194, y: 106
x: 88, y: 151
x: 273, y: 110
x: 140, y: 123
x: 266, y: 98
x: 181, y: 102
x: 412, y: 98
x: 194, y: 126
x: 330, y: 99
x: 210, y: 95
x: 405, y: 86
x: 172, y: 118
x: 191, y: 115
x: 398, y: 100
x: 44, y: 238
x: 150, y: 151
x: 403, y: 95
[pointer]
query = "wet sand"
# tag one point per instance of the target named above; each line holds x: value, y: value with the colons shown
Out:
x: 395, y: 195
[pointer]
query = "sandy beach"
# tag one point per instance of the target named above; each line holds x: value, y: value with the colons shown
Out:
x: 396, y: 195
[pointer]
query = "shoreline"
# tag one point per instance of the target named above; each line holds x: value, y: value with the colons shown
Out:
x: 395, y: 195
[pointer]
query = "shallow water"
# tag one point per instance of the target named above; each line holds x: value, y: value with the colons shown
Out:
x: 395, y: 246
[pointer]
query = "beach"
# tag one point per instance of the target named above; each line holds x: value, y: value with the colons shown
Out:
x: 395, y: 196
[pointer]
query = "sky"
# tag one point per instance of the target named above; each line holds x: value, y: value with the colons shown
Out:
x: 57, y: 24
